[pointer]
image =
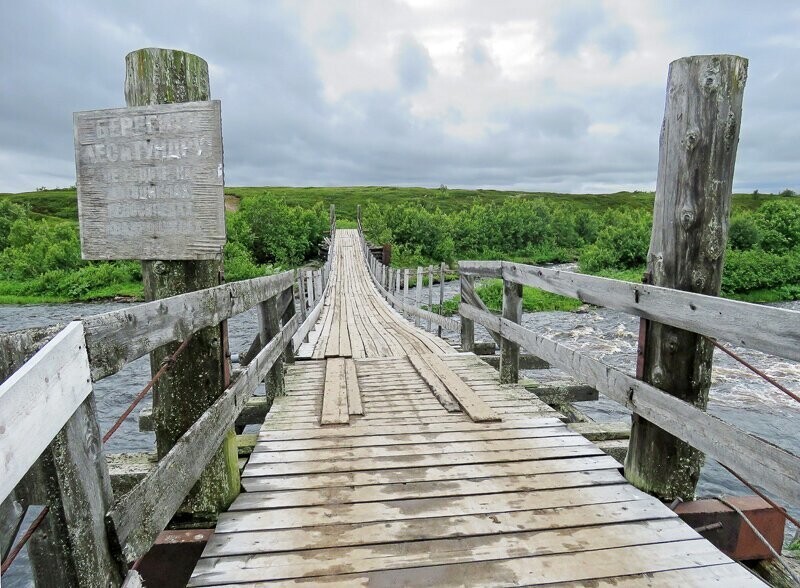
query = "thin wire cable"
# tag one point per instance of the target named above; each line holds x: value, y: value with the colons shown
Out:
x: 763, y: 496
x: 758, y: 534
x: 12, y: 555
x: 166, y: 365
x: 754, y: 369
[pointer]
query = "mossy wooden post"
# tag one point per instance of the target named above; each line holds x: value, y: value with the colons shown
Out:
x: 163, y: 76
x: 467, y: 283
x: 697, y: 154
x: 509, y: 351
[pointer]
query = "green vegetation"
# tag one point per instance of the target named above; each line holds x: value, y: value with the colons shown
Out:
x: 273, y: 228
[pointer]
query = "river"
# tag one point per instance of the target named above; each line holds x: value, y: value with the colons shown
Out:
x: 737, y: 395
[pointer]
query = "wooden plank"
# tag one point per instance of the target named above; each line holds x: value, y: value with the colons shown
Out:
x: 400, y: 461
x: 425, y: 508
x: 140, y: 515
x: 438, y: 528
x: 755, y: 326
x: 354, y: 404
x: 481, y: 269
x: 116, y: 338
x: 731, y: 575
x: 436, y: 386
x: 56, y: 377
x: 566, y: 463
x: 771, y: 467
x: 462, y: 425
x: 470, y: 402
x: 392, y: 451
x: 400, y: 556
x: 412, y: 490
x: 377, y: 439
x: 334, y: 403
x: 548, y: 569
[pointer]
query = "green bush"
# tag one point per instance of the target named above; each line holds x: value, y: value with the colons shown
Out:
x: 281, y: 234
x: 621, y: 244
x: 744, y: 232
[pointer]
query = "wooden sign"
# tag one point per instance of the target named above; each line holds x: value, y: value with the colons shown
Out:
x: 150, y: 182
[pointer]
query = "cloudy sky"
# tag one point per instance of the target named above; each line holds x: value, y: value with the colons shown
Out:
x: 517, y: 94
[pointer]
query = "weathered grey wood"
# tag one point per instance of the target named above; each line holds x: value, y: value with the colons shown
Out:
x: 160, y: 76
x: 253, y: 413
x: 561, y: 392
x: 335, y: 403
x: 11, y: 514
x: 469, y: 401
x: 437, y: 387
x: 149, y: 182
x: 441, y: 297
x: 269, y: 326
x: 354, y: 404
x: 467, y: 325
x: 482, y: 269
x: 301, y: 296
x: 765, y: 328
x: 771, y: 467
x: 286, y: 315
x: 405, y: 288
x: 56, y: 377
x: 469, y: 296
x: 509, y: 351
x: 697, y: 156
x: 118, y: 337
x: 418, y: 295
x: 139, y: 516
x: 526, y: 362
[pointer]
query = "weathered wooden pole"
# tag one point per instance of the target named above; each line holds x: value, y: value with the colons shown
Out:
x: 509, y: 351
x: 418, y: 295
x: 430, y: 297
x: 441, y: 297
x: 405, y: 290
x: 467, y: 283
x: 697, y: 153
x: 163, y: 76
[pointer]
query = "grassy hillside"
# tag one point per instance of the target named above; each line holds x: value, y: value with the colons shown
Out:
x: 62, y: 203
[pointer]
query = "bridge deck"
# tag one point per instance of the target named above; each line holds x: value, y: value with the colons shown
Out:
x: 436, y: 476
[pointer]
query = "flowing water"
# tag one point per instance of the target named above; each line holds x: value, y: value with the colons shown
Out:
x: 737, y: 395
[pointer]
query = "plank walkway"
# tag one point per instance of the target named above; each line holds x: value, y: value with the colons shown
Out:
x: 433, y: 474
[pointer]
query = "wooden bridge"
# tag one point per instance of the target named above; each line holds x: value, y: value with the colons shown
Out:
x: 394, y: 460
x: 386, y: 457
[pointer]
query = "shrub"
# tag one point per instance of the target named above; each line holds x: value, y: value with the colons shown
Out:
x: 744, y: 232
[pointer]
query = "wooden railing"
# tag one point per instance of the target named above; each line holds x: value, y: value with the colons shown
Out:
x: 48, y: 419
x: 394, y: 285
x: 771, y: 330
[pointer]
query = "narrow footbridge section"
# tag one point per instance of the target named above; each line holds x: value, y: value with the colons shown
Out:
x: 394, y: 460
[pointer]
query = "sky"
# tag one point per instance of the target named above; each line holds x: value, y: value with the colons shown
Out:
x: 511, y: 94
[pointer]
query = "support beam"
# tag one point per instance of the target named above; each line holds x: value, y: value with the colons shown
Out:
x: 467, y: 325
x: 697, y: 155
x: 509, y: 351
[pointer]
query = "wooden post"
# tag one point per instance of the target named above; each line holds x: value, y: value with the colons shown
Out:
x: 430, y: 297
x: 509, y: 351
x: 318, y: 283
x: 441, y: 297
x: 160, y: 76
x: 390, y: 285
x: 268, y: 326
x: 358, y: 215
x: 301, y: 295
x: 467, y: 325
x: 418, y: 294
x: 288, y: 313
x: 71, y: 547
x: 697, y: 154
x: 405, y: 289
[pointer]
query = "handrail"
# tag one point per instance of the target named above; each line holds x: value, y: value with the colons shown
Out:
x: 775, y: 469
x: 60, y: 376
x: 372, y: 261
x: 772, y: 330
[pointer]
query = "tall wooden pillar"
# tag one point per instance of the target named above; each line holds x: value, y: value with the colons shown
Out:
x: 699, y: 137
x: 163, y: 76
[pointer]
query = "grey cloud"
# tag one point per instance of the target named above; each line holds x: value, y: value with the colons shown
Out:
x: 414, y: 65
x: 280, y: 129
